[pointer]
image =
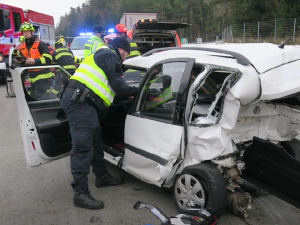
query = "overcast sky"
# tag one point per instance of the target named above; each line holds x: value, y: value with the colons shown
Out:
x: 55, y: 8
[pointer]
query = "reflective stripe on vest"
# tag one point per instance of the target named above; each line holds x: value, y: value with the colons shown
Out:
x: 42, y: 76
x: 89, y: 47
x: 63, y: 54
x: 69, y: 67
x: 33, y: 52
x: 134, y: 51
x: 95, y: 79
x: 164, y: 97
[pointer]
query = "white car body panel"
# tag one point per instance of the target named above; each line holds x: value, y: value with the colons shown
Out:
x: 78, y: 53
x: 160, y: 140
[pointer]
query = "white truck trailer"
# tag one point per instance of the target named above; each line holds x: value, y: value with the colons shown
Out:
x: 129, y: 18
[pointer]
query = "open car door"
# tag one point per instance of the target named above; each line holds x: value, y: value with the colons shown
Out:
x: 153, y: 127
x: 44, y: 128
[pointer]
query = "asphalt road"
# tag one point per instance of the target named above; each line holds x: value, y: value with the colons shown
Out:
x: 43, y: 195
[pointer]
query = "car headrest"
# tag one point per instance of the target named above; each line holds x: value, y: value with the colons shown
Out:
x: 167, y: 80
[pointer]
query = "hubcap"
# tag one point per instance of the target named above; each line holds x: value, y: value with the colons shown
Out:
x: 189, y: 192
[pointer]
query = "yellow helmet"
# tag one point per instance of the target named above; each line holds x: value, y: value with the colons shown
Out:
x: 26, y: 26
x: 21, y: 39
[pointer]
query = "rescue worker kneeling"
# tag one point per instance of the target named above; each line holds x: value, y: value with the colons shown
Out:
x: 64, y: 57
x: 37, y: 53
x: 85, y: 100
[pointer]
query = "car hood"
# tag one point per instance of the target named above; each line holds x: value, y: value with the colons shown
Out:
x: 78, y: 53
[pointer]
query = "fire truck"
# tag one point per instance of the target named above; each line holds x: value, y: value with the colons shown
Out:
x: 11, y: 18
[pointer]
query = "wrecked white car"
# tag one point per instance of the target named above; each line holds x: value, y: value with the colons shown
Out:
x: 202, y: 115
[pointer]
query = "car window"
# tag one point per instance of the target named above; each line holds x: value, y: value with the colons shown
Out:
x: 78, y: 43
x: 133, y: 76
x: 42, y: 84
x: 159, y: 94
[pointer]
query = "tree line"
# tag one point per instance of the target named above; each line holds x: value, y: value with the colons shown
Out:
x: 208, y: 18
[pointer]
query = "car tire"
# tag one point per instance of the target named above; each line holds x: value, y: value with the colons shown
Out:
x: 292, y: 147
x: 211, y: 193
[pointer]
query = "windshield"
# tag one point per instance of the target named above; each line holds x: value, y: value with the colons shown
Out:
x: 4, y: 20
x: 78, y: 43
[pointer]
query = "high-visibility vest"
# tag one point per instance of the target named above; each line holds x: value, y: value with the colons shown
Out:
x: 161, y: 99
x: 77, y: 60
x: 92, y: 45
x: 35, y: 54
x: 94, y: 78
x: 64, y: 57
x: 134, y: 51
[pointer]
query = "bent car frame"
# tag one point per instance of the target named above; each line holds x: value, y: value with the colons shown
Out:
x: 204, y: 120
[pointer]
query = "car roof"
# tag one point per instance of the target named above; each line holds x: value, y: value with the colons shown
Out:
x: 262, y: 56
x: 83, y: 36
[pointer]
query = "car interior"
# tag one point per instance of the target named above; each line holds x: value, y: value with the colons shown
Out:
x: 207, y: 93
x: 51, y: 123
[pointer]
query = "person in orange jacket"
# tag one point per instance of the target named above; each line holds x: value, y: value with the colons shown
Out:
x: 36, y: 52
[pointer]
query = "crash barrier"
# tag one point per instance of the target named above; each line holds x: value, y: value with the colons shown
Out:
x: 191, y: 215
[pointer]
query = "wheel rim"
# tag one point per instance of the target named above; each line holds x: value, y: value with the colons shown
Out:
x: 189, y: 192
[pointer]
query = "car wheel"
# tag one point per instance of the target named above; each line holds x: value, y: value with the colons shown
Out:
x: 292, y: 147
x: 202, y: 186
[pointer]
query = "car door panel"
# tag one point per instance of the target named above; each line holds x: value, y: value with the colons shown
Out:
x: 153, y: 139
x: 44, y: 127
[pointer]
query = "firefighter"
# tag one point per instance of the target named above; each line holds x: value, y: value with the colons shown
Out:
x: 95, y: 41
x: 62, y: 40
x: 122, y: 31
x: 86, y: 100
x: 64, y: 57
x: 158, y: 98
x: 36, y: 53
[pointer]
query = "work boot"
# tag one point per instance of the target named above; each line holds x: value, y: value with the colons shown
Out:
x: 83, y: 199
x: 107, y: 180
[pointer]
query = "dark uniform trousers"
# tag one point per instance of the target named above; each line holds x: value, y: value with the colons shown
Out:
x: 87, y: 147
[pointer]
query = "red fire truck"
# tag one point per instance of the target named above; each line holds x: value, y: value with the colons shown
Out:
x: 11, y: 18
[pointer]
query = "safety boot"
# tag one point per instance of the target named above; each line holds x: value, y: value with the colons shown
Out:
x: 107, y: 180
x: 83, y: 199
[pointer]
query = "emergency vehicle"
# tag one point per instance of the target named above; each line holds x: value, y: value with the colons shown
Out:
x: 150, y: 34
x: 77, y: 46
x: 11, y: 18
